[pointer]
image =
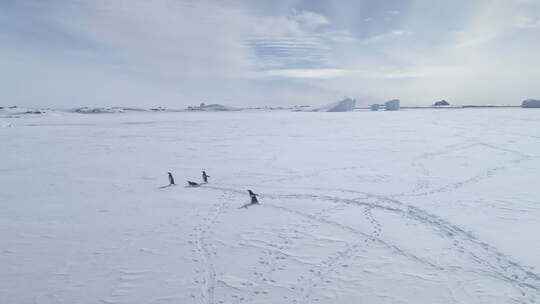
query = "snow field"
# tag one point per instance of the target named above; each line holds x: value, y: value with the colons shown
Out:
x: 422, y: 206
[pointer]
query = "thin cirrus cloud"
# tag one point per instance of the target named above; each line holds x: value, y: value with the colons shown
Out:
x: 179, y: 52
x: 299, y: 40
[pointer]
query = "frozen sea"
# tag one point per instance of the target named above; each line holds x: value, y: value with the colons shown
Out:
x: 418, y: 206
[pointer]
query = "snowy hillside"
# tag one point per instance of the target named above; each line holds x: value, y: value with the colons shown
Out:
x: 360, y: 207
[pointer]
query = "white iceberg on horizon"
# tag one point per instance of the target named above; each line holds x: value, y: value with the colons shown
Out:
x: 212, y: 107
x: 345, y: 105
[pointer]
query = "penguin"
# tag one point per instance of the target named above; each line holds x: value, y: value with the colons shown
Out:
x: 193, y: 184
x: 205, y: 176
x: 253, y: 197
x: 171, y: 179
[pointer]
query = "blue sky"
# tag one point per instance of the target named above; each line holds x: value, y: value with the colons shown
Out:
x: 180, y: 52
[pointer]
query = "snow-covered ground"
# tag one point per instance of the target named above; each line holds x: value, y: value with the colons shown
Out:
x: 420, y: 206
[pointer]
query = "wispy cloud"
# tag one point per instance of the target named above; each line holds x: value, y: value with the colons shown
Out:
x: 178, y: 52
x: 527, y: 22
x: 393, y: 12
x: 309, y: 73
x: 310, y: 19
x: 298, y: 40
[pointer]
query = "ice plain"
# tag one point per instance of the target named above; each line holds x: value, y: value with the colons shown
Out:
x: 417, y: 206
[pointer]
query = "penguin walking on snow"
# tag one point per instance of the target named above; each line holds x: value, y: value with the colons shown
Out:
x: 171, y: 179
x: 205, y: 176
x: 253, y: 197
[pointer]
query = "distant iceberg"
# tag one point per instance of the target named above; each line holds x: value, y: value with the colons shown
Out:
x: 531, y: 103
x: 441, y: 103
x: 14, y: 110
x: 375, y: 107
x: 345, y: 105
x: 302, y: 108
x: 392, y: 105
x: 89, y: 110
x: 212, y: 107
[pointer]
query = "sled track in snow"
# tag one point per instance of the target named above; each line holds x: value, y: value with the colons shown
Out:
x: 472, y: 180
x: 417, y: 162
x: 319, y: 273
x: 203, y: 246
x: 376, y: 225
x: 207, y: 289
x: 308, y: 175
x: 352, y: 230
x: 326, y: 267
x: 499, y: 265
x: 489, y: 257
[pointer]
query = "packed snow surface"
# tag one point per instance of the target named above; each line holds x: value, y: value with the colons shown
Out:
x: 419, y: 206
